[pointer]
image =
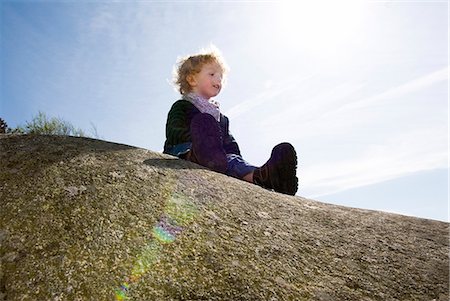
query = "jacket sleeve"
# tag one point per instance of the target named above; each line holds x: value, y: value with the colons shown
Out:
x: 230, y: 145
x: 178, y: 124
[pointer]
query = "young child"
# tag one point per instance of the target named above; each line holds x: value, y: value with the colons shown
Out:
x: 197, y: 131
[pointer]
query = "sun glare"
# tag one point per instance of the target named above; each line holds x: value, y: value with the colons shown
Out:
x: 322, y: 27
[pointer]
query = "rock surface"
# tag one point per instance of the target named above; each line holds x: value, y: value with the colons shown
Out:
x: 84, y: 219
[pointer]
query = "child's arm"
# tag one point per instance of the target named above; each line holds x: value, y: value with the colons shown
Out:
x: 177, y: 126
x: 229, y: 143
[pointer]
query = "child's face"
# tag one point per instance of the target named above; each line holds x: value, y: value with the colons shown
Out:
x: 208, y: 82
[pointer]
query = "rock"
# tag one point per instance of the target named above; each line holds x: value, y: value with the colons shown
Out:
x: 84, y: 219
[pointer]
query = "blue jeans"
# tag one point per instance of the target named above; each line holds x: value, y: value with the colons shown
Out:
x: 238, y: 167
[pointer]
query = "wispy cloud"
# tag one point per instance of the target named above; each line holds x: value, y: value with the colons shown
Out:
x: 270, y: 94
x: 384, y: 136
x: 341, y: 104
x: 309, y: 108
x: 399, y: 91
x: 403, y: 154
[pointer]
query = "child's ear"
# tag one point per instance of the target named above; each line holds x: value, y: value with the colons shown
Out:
x: 191, y: 80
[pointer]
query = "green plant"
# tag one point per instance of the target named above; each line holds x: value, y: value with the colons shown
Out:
x: 42, y: 125
x: 3, y: 126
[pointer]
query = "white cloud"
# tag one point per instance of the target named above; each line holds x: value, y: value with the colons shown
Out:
x: 399, y: 91
x: 375, y: 139
x: 270, y: 94
x: 310, y: 109
x: 403, y: 154
x: 340, y: 106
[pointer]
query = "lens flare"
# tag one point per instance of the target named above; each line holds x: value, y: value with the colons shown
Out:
x: 166, y: 230
x: 146, y: 258
x: 178, y: 212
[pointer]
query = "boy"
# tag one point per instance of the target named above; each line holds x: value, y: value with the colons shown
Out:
x: 198, y: 132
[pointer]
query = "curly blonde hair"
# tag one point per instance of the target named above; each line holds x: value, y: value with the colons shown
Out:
x: 193, y: 64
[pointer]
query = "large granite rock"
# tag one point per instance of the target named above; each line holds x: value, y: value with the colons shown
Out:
x: 84, y: 219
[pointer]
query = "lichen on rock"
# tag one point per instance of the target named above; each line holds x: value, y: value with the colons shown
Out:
x: 84, y: 219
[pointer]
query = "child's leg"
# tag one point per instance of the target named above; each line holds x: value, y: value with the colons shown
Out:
x: 248, y: 177
x: 239, y: 168
x: 207, y: 149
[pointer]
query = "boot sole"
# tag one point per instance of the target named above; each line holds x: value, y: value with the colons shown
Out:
x: 285, y: 157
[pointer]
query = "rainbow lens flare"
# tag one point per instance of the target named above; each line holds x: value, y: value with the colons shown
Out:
x: 178, y: 212
x: 166, y: 230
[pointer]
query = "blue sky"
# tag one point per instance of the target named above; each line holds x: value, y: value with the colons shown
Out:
x: 360, y: 88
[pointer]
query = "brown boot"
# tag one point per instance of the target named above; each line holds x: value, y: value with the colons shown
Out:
x: 279, y: 172
x: 207, y: 149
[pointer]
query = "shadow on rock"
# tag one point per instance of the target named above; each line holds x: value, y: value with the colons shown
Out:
x: 174, y: 163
